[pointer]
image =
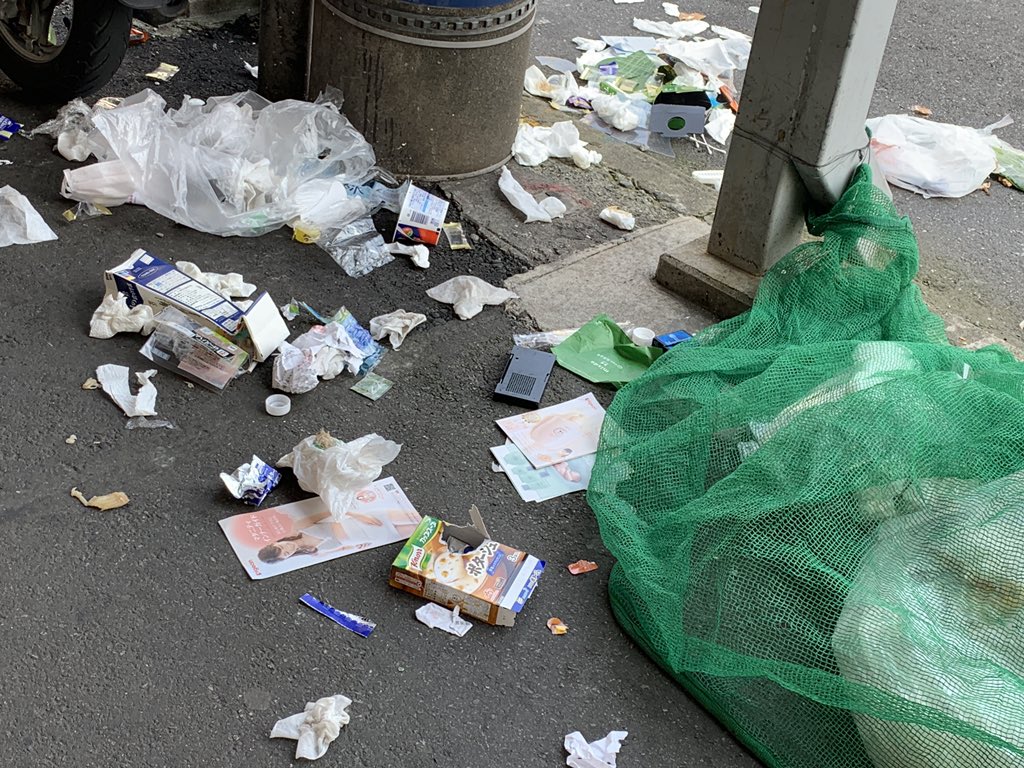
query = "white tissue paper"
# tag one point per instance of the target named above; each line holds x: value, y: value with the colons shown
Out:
x: 395, y: 325
x: 314, y: 728
x: 336, y: 470
x: 536, y: 143
x: 322, y: 352
x: 589, y: 44
x: 419, y: 253
x: 20, y: 223
x: 114, y: 380
x: 469, y: 294
x: 230, y: 285
x: 719, y: 126
x: 113, y: 316
x: 596, y: 754
x: 526, y: 203
x: 439, y: 617
x: 619, y: 218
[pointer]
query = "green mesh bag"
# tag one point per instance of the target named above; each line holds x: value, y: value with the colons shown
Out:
x: 817, y: 512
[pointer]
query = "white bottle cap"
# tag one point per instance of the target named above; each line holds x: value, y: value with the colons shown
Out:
x: 642, y: 337
x: 278, y: 405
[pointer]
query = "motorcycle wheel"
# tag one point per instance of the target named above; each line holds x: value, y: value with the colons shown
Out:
x: 58, y: 49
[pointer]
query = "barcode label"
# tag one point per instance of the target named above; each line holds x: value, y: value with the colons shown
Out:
x: 420, y: 218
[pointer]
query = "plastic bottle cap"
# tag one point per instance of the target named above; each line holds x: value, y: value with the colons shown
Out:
x: 642, y: 337
x: 278, y: 405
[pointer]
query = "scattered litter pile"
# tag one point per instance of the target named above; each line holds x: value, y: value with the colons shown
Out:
x: 816, y: 513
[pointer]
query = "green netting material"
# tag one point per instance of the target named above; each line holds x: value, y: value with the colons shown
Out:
x: 817, y: 511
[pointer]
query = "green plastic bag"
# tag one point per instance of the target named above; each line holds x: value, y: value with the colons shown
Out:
x: 601, y: 352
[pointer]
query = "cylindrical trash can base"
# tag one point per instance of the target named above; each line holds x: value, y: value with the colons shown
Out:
x: 435, y: 90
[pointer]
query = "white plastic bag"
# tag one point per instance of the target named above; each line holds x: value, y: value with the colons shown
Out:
x: 109, y: 184
x: 932, y: 159
x: 336, y: 470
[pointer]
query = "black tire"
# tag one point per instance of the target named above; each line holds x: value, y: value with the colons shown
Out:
x: 90, y: 56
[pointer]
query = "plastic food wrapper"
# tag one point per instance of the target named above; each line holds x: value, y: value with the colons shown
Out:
x: 456, y: 237
x: 114, y: 380
x: 194, y: 351
x: 315, y: 727
x: 438, y: 617
x: 545, y: 210
x: 20, y: 223
x: 372, y: 386
x: 231, y: 285
x: 108, y: 183
x: 71, y: 128
x: 290, y: 310
x: 84, y: 211
x: 8, y: 128
x: 395, y: 325
x: 930, y: 158
x: 350, y: 621
x: 107, y: 501
x: 601, y: 352
x: 557, y: 626
x: 419, y: 254
x: 113, y: 316
x: 163, y: 72
x: 251, y: 482
x: 469, y: 294
x: 619, y: 218
x: 336, y: 470
x: 234, y: 165
x: 582, y: 566
x: 558, y: 88
x: 534, y: 144
x: 325, y: 351
x: 145, y: 422
x: 596, y: 754
x: 358, y: 248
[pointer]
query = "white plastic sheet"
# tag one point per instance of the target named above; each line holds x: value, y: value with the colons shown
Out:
x: 717, y: 58
x: 395, y: 325
x: 71, y: 128
x: 336, y: 470
x: 469, y: 294
x: 720, y: 124
x: 439, y: 617
x: 674, y: 29
x: 315, y: 727
x: 20, y: 223
x: 547, y: 209
x: 932, y: 159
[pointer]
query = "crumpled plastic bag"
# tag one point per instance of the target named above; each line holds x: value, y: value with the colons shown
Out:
x: 315, y: 727
x: 717, y: 58
x: 108, y: 184
x: 336, y: 470
x: 395, y: 325
x: 20, y: 223
x: 547, y: 209
x: 469, y: 294
x: 930, y: 158
x: 535, y: 143
x: 113, y: 316
x: 357, y: 247
x: 235, y: 165
x: 230, y: 285
x: 620, y: 112
x: 557, y: 88
x: 71, y: 128
x: 595, y: 754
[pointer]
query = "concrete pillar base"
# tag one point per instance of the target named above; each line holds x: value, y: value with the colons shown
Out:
x: 691, y: 272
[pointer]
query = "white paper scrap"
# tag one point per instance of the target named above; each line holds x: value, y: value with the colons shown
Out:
x: 596, y: 754
x: 20, y: 223
x: 526, y: 203
x: 114, y: 380
x: 439, y: 617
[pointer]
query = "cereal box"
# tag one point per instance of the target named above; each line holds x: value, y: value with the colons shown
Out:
x: 461, y: 565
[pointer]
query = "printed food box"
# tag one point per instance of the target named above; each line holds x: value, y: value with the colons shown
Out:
x: 461, y: 565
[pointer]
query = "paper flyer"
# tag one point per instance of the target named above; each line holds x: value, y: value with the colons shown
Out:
x: 280, y: 539
x: 547, y: 483
x: 557, y: 433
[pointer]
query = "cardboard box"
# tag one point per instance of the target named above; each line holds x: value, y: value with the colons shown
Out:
x: 194, y: 351
x: 461, y: 565
x: 145, y: 279
x: 421, y: 217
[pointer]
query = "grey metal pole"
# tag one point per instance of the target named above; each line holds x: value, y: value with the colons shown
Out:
x: 284, y: 45
x: 800, y: 127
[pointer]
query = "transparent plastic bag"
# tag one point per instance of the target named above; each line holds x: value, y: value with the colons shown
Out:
x: 358, y: 248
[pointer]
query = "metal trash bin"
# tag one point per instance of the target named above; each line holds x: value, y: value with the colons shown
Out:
x: 436, y: 89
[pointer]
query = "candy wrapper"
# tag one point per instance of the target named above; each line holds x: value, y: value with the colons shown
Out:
x: 251, y: 482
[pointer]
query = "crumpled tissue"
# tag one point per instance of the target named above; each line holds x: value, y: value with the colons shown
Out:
x: 618, y: 217
x: 113, y: 316
x: 71, y: 128
x: 596, y: 754
x: 20, y: 223
x: 536, y: 143
x: 114, y: 380
x: 439, y: 617
x: 557, y: 88
x: 336, y: 470
x: 720, y: 124
x: 230, y: 285
x: 419, y: 253
x: 469, y: 294
x: 322, y: 352
x: 547, y: 209
x: 315, y: 727
x: 395, y: 325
